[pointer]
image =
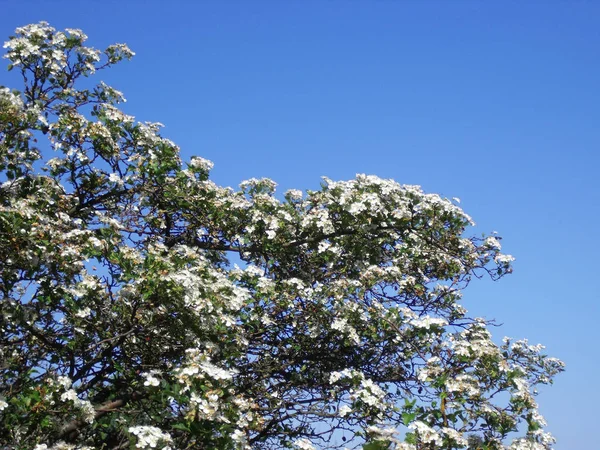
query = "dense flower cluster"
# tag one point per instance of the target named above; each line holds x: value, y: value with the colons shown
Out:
x: 124, y: 322
x: 150, y: 437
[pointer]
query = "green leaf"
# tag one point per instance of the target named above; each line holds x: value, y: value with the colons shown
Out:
x: 408, y: 418
x: 181, y: 426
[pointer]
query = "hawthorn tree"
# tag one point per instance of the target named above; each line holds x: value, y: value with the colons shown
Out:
x: 123, y: 323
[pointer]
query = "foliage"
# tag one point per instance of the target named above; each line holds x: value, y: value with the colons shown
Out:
x: 124, y: 325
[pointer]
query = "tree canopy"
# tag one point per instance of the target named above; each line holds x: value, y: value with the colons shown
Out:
x: 125, y: 322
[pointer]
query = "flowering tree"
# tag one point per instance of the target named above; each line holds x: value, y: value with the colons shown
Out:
x: 124, y: 325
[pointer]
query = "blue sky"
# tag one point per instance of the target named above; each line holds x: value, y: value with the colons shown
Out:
x: 494, y: 102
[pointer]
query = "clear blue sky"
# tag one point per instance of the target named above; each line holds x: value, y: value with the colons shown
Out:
x: 497, y: 103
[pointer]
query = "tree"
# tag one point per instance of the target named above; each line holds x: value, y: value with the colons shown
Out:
x: 123, y: 323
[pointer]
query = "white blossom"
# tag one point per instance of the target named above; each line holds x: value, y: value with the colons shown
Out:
x: 84, y: 313
x: 426, y: 433
x: 149, y: 436
x: 150, y: 378
x: 200, y: 163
